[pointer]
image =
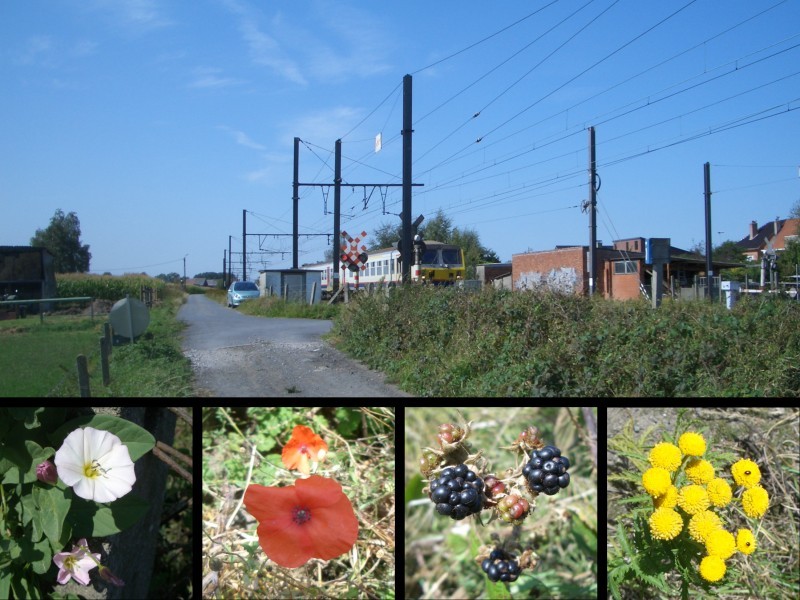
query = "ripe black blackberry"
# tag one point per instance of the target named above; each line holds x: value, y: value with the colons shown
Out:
x: 546, y: 471
x: 457, y: 492
x: 501, y: 566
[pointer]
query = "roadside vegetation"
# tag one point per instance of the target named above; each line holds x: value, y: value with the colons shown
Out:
x: 38, y: 358
x: 447, y: 342
x: 274, y: 306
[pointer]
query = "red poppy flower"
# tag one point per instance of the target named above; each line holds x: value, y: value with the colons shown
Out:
x: 311, y: 519
x: 303, y: 446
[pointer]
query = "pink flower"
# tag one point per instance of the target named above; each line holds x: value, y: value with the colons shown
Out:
x: 46, y: 473
x: 75, y: 564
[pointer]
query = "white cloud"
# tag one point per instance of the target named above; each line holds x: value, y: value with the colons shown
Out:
x: 205, y: 77
x: 323, y: 127
x: 38, y: 50
x: 242, y: 138
x: 138, y: 15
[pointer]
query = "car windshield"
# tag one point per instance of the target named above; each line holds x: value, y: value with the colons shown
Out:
x: 245, y: 286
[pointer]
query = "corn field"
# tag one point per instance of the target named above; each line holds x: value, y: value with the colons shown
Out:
x: 105, y: 287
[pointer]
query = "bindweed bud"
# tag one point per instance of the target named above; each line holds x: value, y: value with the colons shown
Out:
x: 106, y: 574
x: 46, y: 473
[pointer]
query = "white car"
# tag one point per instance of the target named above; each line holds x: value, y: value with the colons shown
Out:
x: 240, y: 291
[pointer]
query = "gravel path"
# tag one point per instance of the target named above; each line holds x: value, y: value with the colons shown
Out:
x: 239, y: 355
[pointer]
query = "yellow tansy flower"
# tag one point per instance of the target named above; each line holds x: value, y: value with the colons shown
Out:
x: 755, y: 501
x: 656, y: 481
x: 712, y: 568
x: 693, y: 499
x: 745, y: 541
x: 699, y: 471
x: 667, y: 456
x: 745, y: 472
x: 668, y: 499
x: 665, y: 524
x: 692, y: 444
x: 720, y: 543
x: 702, y: 524
x: 719, y: 492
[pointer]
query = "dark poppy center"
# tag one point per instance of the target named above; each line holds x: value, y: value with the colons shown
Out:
x: 301, y: 515
x: 304, y: 450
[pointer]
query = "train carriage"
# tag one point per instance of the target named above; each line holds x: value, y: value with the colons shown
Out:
x: 440, y: 264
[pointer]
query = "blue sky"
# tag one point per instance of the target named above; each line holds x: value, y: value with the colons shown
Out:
x: 158, y: 122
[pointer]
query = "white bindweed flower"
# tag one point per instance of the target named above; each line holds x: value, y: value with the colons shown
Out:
x: 96, y: 464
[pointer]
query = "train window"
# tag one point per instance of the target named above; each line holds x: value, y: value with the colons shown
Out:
x: 430, y: 258
x: 451, y: 256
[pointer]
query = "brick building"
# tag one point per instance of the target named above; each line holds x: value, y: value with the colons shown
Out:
x: 777, y: 233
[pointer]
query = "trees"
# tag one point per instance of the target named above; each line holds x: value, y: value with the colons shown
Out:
x: 63, y: 239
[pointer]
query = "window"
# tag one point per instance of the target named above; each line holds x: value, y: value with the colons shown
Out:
x: 623, y: 267
x: 451, y: 256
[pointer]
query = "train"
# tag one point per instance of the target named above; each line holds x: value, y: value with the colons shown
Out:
x: 439, y: 264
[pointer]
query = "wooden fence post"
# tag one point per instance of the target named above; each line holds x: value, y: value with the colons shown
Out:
x: 83, y: 376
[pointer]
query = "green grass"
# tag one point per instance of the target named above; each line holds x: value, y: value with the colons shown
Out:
x: 38, y: 359
x: 35, y: 357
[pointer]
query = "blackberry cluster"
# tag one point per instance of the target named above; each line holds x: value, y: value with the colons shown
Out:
x: 457, y: 492
x: 546, y: 471
x: 501, y: 566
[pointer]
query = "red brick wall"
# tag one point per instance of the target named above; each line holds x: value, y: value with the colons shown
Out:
x: 563, y: 269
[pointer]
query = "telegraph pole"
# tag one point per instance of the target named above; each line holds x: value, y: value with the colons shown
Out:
x: 295, y: 199
x: 244, y: 244
x: 709, y: 267
x: 337, y: 211
x: 592, y: 213
x: 407, y: 241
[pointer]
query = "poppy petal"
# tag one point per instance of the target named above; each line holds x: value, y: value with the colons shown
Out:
x: 333, y: 529
x: 318, y: 492
x: 269, y: 503
x: 285, y: 545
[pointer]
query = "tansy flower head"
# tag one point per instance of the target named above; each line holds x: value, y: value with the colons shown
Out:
x: 745, y: 542
x: 96, y: 464
x: 702, y: 524
x: 720, y: 543
x: 719, y: 492
x: 665, y: 524
x: 712, y: 568
x: 668, y: 499
x: 693, y: 499
x: 746, y: 473
x: 311, y: 519
x: 666, y: 456
x: 303, y: 447
x: 656, y: 481
x: 699, y: 471
x: 692, y: 444
x: 755, y: 501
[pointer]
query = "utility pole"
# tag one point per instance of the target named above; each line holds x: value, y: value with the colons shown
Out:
x: 709, y: 267
x: 224, y: 266
x: 230, y: 263
x: 244, y: 244
x: 407, y: 237
x: 592, y: 213
x: 295, y: 199
x: 337, y: 212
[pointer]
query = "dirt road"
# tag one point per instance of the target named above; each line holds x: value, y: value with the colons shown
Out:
x: 238, y: 355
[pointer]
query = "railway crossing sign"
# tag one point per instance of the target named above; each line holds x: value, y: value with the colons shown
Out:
x: 350, y: 256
